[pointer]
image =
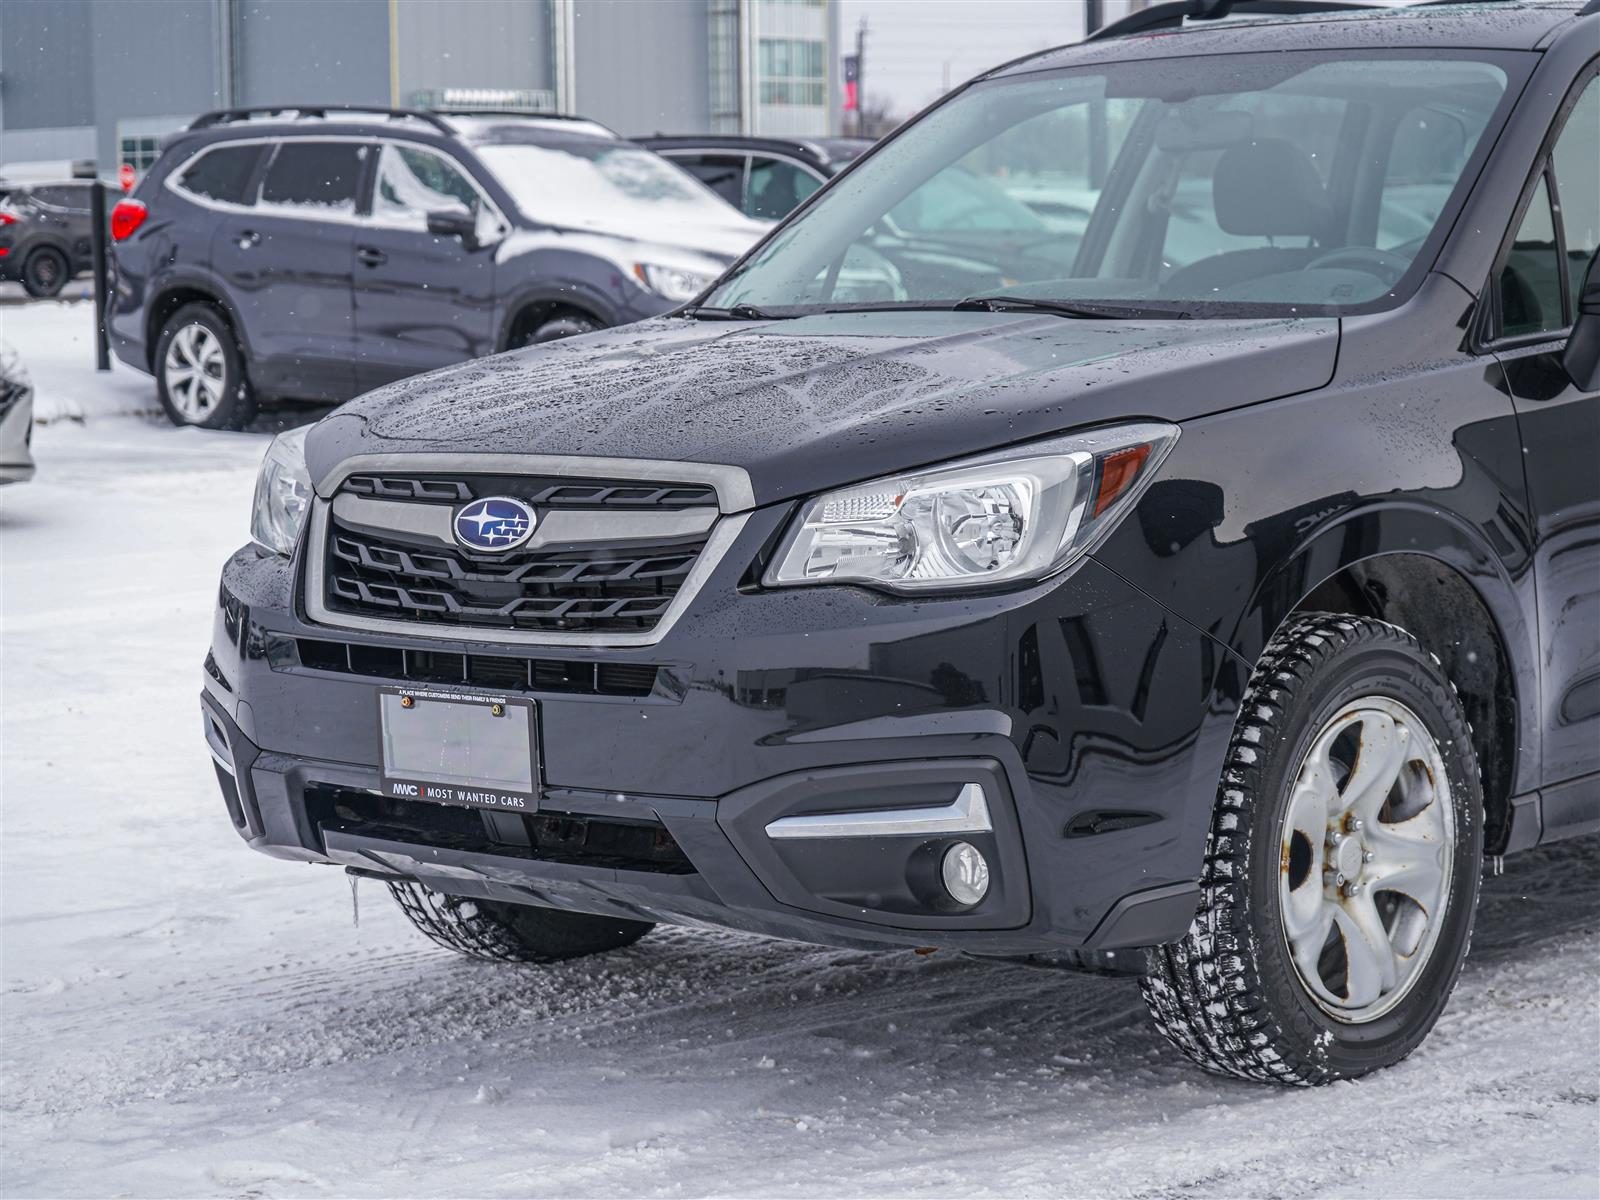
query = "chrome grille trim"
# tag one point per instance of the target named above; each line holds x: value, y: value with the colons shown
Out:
x: 555, y: 527
x: 734, y: 491
x: 734, y: 497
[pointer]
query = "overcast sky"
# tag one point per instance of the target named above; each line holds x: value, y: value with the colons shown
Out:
x: 918, y: 48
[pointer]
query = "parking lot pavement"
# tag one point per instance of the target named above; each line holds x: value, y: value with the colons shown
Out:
x: 183, y: 1017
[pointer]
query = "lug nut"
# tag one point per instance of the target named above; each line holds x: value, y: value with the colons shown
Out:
x: 1367, y: 856
x: 1352, y: 889
x: 1334, y: 837
x: 1353, y: 824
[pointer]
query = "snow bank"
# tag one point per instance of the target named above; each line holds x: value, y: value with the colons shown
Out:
x: 55, y: 339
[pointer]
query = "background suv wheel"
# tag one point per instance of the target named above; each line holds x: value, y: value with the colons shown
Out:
x: 45, y: 273
x: 200, y: 372
x: 563, y: 325
x: 1341, y: 872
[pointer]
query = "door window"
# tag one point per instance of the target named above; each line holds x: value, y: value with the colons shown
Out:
x: 777, y: 188
x: 722, y: 173
x: 1545, y: 266
x: 318, y: 177
x: 222, y: 174
x: 1530, y: 282
x: 413, y: 182
x: 1577, y: 165
x: 72, y: 197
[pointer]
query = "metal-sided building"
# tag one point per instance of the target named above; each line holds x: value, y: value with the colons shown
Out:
x: 107, y: 79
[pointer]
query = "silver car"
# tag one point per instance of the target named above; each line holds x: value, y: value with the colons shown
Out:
x: 16, y: 419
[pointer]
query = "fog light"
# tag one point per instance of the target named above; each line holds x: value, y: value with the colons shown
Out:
x: 965, y: 873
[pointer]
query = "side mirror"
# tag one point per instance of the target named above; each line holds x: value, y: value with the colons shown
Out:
x: 1581, y: 360
x: 455, y: 222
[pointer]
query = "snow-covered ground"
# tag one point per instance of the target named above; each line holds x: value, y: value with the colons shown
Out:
x: 181, y: 1017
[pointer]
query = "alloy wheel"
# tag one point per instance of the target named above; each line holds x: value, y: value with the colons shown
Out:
x: 195, y: 372
x: 1364, y: 870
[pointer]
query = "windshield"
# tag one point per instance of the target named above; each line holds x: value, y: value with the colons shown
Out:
x: 1253, y: 184
x: 607, y: 186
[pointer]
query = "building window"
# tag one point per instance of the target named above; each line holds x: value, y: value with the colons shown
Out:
x: 793, y: 71
x: 140, y: 153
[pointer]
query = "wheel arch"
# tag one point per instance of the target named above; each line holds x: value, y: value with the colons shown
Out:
x: 1423, y: 571
x: 174, y: 294
x: 533, y: 308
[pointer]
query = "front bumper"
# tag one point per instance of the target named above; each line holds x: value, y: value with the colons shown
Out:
x: 1080, y: 706
x: 16, y: 442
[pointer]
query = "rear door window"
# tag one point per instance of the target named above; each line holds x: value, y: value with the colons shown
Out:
x: 223, y: 174
x: 318, y: 178
x: 65, y: 196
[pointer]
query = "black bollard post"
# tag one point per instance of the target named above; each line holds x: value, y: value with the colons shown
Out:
x: 102, y: 276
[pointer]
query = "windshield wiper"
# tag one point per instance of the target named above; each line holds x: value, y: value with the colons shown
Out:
x: 739, y: 312
x: 1086, y: 310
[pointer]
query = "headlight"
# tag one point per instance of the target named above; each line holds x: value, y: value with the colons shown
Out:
x: 1022, y: 513
x: 283, y: 492
x: 670, y: 283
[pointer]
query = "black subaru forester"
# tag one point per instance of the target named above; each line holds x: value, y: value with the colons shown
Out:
x: 1212, y: 611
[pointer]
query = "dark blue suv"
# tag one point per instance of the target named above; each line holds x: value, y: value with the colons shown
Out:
x: 315, y: 253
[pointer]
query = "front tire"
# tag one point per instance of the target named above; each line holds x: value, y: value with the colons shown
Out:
x: 518, y: 933
x: 45, y: 273
x: 553, y: 329
x: 200, y: 373
x: 1341, y: 871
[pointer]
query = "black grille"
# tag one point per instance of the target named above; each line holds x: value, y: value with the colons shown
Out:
x: 478, y: 670
x: 579, y: 840
x: 611, y: 588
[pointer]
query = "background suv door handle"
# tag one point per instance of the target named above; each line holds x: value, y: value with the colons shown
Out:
x: 371, y: 256
x: 247, y: 238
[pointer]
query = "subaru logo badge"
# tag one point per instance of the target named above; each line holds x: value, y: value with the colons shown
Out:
x: 494, y: 524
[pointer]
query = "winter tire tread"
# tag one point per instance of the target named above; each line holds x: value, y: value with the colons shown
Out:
x: 1205, y: 992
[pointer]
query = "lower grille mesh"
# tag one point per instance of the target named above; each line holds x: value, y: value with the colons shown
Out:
x: 591, y: 590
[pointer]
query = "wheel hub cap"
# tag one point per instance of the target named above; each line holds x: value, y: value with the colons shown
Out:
x: 195, y: 370
x: 1367, y: 849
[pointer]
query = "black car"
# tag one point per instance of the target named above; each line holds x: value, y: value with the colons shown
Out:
x: 1213, y: 612
x: 314, y: 253
x: 44, y: 235
x: 765, y: 177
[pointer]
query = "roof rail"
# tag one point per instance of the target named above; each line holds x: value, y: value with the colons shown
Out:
x: 523, y: 113
x: 226, y: 116
x: 509, y: 112
x: 1158, y: 15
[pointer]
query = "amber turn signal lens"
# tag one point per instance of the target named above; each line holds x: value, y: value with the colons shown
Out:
x: 1118, y: 470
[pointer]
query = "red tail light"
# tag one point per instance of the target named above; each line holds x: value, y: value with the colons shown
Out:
x: 7, y: 217
x: 126, y: 217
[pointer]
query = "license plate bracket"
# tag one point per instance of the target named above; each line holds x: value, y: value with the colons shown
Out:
x: 461, y: 748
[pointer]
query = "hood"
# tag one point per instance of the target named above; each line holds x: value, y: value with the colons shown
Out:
x: 820, y: 401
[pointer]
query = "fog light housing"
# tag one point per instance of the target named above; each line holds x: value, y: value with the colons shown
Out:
x: 965, y: 874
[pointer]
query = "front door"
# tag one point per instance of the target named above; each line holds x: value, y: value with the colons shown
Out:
x: 422, y: 300
x: 1560, y: 424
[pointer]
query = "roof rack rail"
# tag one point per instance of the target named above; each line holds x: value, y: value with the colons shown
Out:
x: 508, y: 112
x: 225, y: 116
x: 524, y: 113
x: 1158, y: 15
